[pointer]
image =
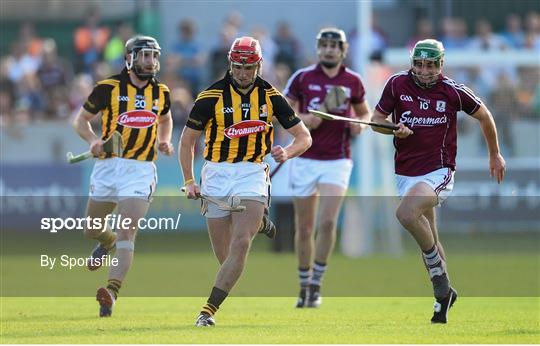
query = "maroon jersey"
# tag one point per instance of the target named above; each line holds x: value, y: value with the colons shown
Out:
x: 431, y: 114
x: 308, y: 86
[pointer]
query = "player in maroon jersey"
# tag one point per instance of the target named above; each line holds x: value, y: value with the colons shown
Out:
x: 325, y: 168
x: 424, y: 103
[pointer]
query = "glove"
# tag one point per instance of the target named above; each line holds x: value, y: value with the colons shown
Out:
x: 334, y: 99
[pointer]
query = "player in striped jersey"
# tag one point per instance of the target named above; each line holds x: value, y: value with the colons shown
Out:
x: 236, y: 116
x: 135, y: 104
x: 424, y: 104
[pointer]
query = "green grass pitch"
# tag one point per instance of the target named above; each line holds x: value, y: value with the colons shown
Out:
x: 377, y: 299
x: 344, y: 320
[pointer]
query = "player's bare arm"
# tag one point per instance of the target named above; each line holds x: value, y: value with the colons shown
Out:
x: 82, y: 125
x: 186, y: 154
x: 311, y: 122
x: 497, y: 165
x: 164, y: 134
x: 361, y: 110
x: 301, y: 142
x: 380, y: 118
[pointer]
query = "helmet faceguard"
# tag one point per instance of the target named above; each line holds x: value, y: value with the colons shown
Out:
x: 425, y: 56
x: 142, y: 56
x: 332, y: 35
x: 245, y: 52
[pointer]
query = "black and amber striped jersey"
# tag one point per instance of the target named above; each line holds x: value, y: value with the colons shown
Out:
x: 239, y: 127
x: 131, y: 111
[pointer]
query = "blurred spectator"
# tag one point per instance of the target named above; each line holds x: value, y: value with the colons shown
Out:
x: 182, y: 94
x: 269, y: 51
x: 54, y: 76
x: 527, y: 85
x: 378, y: 42
x: 473, y: 76
x: 376, y: 76
x: 20, y: 68
x: 7, y: 96
x: 513, y: 34
x: 230, y: 29
x: 20, y: 63
x: 485, y: 39
x: 289, y: 48
x: 219, y: 63
x: 532, y: 39
x: 29, y: 39
x: 181, y: 103
x: 282, y: 72
x: 505, y: 108
x: 115, y: 48
x: 81, y: 86
x: 30, y: 103
x: 90, y: 41
x: 379, y: 38
x: 53, y: 72
x: 235, y: 20
x: 454, y: 33
x: 167, y: 72
x: 424, y: 30
x: 101, y: 70
x: 189, y: 56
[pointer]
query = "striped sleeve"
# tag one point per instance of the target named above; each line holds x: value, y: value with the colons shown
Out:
x: 467, y: 101
x: 203, y: 109
x: 387, y: 101
x: 99, y: 99
x: 167, y: 97
x: 282, y: 110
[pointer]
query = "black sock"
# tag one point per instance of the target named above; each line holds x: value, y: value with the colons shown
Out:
x: 214, y: 301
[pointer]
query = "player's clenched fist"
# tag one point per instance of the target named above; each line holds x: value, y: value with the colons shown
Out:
x: 96, y: 147
x: 192, y: 190
x: 279, y: 154
x: 166, y: 148
x: 403, y: 131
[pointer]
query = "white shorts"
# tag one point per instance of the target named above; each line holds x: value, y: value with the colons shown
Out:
x: 246, y: 180
x: 306, y: 174
x: 115, y: 179
x: 441, y: 181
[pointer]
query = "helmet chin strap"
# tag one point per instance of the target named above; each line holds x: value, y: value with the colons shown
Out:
x: 129, y: 63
